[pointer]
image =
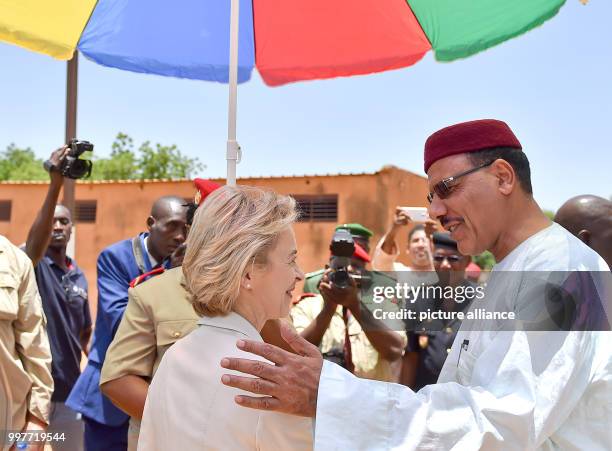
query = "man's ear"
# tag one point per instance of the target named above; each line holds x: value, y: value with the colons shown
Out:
x: 506, y: 177
x: 584, y: 236
x: 150, y: 222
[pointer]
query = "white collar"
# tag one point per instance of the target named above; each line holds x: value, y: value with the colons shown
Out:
x: 152, y: 259
x: 232, y: 321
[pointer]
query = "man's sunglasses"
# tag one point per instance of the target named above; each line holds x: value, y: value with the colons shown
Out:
x: 450, y: 258
x: 445, y: 186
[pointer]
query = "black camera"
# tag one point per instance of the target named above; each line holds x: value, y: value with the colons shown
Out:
x: 342, y: 248
x: 72, y: 166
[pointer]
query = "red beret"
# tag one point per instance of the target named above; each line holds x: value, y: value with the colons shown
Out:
x: 468, y: 137
x: 204, y: 187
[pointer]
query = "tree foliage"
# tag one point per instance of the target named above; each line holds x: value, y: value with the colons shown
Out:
x: 484, y: 260
x: 165, y: 162
x: 549, y: 214
x: 123, y: 163
x: 21, y: 164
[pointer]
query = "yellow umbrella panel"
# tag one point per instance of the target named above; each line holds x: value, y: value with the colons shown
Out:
x: 49, y: 27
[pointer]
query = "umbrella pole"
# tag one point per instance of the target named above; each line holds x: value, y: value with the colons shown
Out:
x: 233, y: 149
x: 72, y: 74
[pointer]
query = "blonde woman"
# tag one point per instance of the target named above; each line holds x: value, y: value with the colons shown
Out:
x: 240, y: 268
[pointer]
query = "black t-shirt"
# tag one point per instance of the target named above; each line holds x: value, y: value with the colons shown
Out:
x: 64, y: 299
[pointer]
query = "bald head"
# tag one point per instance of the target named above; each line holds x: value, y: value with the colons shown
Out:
x: 166, y: 205
x: 590, y: 219
x: 167, y: 226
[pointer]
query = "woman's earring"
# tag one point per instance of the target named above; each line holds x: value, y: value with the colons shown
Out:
x: 248, y: 286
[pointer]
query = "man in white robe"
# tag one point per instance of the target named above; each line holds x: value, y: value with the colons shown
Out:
x: 523, y: 387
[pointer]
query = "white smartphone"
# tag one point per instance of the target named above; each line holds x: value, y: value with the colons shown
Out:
x: 416, y: 214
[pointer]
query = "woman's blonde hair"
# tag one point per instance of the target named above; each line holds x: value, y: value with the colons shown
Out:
x: 232, y: 230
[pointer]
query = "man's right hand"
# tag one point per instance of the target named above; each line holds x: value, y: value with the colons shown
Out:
x: 325, y: 290
x: 55, y: 160
x: 431, y: 226
x: 400, y: 218
x: 289, y: 385
x: 334, y: 296
x: 40, y: 232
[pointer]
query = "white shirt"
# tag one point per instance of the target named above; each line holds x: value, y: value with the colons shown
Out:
x: 188, y: 408
x: 152, y: 259
x: 510, y: 390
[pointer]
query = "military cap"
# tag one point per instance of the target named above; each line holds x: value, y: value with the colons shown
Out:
x: 443, y: 239
x: 204, y: 187
x: 356, y: 229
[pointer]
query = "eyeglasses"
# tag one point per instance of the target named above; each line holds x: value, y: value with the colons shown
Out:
x: 445, y: 186
x: 450, y: 258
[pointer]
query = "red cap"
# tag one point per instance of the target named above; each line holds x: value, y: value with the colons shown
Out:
x: 204, y: 187
x: 468, y: 137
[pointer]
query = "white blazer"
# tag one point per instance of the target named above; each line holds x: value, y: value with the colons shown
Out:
x: 188, y: 407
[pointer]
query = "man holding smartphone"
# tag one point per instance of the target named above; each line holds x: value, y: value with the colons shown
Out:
x: 419, y: 248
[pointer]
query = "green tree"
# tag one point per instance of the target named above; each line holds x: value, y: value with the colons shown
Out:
x: 122, y: 163
x: 21, y: 164
x: 484, y: 260
x: 165, y: 162
x: 549, y: 214
x: 159, y: 162
x: 122, y: 143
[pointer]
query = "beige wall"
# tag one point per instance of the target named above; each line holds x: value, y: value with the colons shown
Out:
x: 122, y: 209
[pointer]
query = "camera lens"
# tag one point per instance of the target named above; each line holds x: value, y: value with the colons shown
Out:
x: 340, y: 278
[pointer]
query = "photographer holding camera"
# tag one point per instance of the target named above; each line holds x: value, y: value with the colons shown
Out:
x: 70, y: 165
x: 338, y: 319
x: 63, y: 290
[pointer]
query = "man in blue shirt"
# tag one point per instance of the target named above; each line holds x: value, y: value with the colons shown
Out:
x: 63, y: 290
x: 105, y: 425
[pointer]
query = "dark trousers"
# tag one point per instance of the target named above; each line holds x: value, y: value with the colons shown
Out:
x: 100, y: 437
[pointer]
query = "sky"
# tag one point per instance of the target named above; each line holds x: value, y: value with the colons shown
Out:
x: 553, y: 86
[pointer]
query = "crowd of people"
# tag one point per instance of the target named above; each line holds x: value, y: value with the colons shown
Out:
x: 202, y: 309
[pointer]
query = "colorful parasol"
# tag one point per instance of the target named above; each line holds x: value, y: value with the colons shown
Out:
x: 287, y: 41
